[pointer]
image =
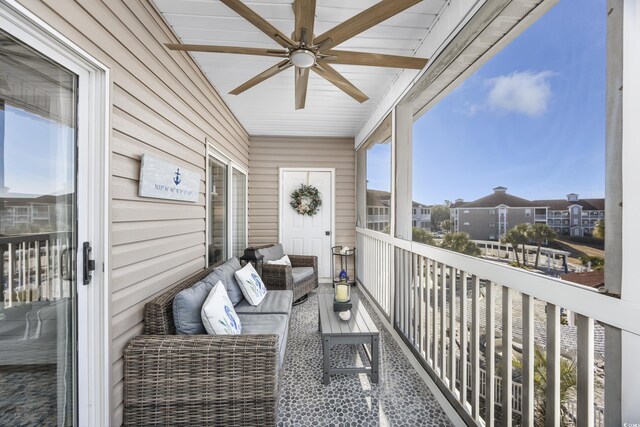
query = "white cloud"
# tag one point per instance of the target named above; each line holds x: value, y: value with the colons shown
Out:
x: 521, y: 92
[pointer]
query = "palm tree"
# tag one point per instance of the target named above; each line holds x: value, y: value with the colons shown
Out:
x: 598, y: 231
x: 460, y: 242
x: 568, y: 383
x: 539, y: 234
x: 423, y: 236
x: 515, y: 237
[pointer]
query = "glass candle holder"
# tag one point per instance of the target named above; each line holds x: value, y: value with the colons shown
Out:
x: 342, y: 291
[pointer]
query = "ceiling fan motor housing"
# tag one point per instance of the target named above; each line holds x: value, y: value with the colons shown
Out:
x: 303, y: 58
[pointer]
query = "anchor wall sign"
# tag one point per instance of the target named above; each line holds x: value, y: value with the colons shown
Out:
x: 160, y: 179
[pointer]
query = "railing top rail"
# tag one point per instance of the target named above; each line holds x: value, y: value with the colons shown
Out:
x: 580, y: 299
x: 39, y: 237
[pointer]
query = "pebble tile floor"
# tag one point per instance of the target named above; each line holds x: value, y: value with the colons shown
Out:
x: 400, y: 398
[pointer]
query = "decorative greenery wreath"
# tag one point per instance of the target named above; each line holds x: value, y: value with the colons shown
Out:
x: 306, y: 200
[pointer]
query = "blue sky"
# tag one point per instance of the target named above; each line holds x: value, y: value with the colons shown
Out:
x: 531, y: 119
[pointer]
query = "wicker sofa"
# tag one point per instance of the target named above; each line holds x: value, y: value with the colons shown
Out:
x: 188, y: 380
x: 300, y: 278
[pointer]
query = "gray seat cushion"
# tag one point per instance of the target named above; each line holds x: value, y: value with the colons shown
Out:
x: 300, y: 273
x: 272, y: 253
x: 226, y: 274
x: 187, y: 306
x: 274, y: 302
x: 260, y: 324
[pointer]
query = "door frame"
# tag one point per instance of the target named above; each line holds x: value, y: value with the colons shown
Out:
x: 281, y: 197
x: 93, y: 392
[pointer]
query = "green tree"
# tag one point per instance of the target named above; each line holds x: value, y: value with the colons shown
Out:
x: 423, y: 236
x: 460, y: 242
x: 597, y: 263
x: 568, y: 384
x: 439, y: 213
x: 598, y: 231
x: 539, y: 234
x: 516, y: 237
x: 446, y: 225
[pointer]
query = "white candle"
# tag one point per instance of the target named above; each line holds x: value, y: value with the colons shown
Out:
x: 342, y: 294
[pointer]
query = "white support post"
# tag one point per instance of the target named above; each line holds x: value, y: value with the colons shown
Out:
x: 402, y: 149
x: 630, y: 291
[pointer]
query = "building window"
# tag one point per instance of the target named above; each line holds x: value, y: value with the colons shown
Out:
x: 576, y: 210
x: 492, y: 211
x: 466, y: 223
x: 415, y: 211
x: 527, y: 212
x: 492, y: 225
x: 465, y: 211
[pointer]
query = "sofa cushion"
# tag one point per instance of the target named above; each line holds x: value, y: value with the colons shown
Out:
x: 218, y: 315
x: 252, y: 286
x: 274, y: 302
x: 300, y: 273
x: 187, y: 306
x: 260, y: 324
x: 226, y: 274
x: 272, y: 253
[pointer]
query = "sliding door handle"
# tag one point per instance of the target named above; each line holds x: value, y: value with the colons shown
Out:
x: 88, y: 265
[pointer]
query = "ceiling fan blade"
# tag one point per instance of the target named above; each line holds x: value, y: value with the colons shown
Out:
x: 226, y: 49
x: 305, y: 12
x: 302, y: 80
x: 331, y: 75
x: 366, y: 19
x: 269, y: 72
x: 259, y: 22
x: 374, y: 59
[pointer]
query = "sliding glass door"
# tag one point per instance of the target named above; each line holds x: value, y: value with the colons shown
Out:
x: 38, y: 237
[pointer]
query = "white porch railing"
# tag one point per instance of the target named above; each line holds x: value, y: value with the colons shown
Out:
x: 448, y: 308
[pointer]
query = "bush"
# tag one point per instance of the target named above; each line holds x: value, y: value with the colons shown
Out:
x: 597, y: 263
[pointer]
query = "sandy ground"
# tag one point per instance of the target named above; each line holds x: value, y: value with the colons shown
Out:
x: 577, y: 249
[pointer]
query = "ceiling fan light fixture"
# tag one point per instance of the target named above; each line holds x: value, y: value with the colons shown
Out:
x: 303, y: 58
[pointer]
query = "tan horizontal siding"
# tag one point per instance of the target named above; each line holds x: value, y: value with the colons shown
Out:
x: 268, y: 154
x: 162, y: 104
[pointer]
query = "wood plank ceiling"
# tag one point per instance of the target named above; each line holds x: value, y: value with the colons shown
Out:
x: 268, y: 109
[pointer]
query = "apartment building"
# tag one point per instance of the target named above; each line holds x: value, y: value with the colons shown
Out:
x: 491, y: 216
x: 378, y: 208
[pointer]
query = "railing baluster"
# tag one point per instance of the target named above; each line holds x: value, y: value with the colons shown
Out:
x: 427, y: 313
x: 415, y: 287
x: 528, y: 305
x: 463, y: 338
x: 507, y: 356
x: 552, y: 401
x: 435, y: 341
x: 475, y: 348
x: 585, y: 370
x: 452, y: 329
x: 443, y: 321
x: 10, y: 273
x: 419, y: 305
x: 490, y: 322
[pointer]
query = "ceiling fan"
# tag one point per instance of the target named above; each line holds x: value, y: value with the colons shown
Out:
x: 305, y: 52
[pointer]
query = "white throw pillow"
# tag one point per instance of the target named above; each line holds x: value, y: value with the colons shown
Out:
x: 251, y: 284
x: 218, y: 314
x: 282, y: 261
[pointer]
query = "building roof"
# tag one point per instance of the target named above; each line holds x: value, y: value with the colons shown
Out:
x: 496, y: 199
x: 501, y: 197
x: 563, y: 204
x: 592, y: 279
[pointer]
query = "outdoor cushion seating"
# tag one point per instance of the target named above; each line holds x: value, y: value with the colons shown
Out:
x: 201, y: 379
x: 278, y: 276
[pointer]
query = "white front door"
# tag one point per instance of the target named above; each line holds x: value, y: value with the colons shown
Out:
x: 303, y: 234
